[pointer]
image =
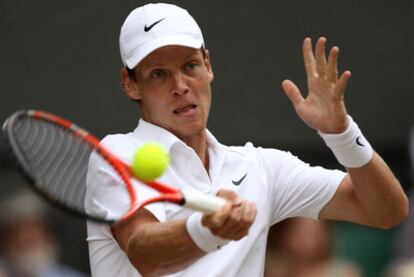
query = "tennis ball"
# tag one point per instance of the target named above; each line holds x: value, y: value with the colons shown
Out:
x: 150, y: 161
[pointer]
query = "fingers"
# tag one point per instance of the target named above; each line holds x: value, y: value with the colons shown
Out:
x: 308, y: 58
x: 317, y: 65
x: 238, y: 226
x: 321, y: 64
x: 234, y: 219
x: 343, y: 82
x: 228, y: 195
x: 219, y: 218
x: 332, y: 73
x: 292, y: 92
x: 238, y: 223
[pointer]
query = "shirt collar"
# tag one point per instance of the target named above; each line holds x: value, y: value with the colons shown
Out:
x: 217, y: 152
x: 213, y: 143
x: 150, y: 132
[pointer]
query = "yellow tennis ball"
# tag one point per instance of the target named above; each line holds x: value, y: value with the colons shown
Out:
x: 150, y: 161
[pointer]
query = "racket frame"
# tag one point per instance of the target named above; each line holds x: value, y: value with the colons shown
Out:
x: 189, y: 199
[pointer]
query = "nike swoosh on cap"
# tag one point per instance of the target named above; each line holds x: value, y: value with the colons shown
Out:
x: 237, y: 183
x: 146, y: 29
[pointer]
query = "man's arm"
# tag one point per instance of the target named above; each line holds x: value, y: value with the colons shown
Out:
x: 370, y: 194
x: 156, y: 248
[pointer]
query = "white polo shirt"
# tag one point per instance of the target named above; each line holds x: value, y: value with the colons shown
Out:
x: 280, y: 184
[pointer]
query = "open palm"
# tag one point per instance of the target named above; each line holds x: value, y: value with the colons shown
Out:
x: 323, y: 109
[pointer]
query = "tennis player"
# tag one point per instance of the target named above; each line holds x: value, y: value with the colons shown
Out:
x: 168, y: 71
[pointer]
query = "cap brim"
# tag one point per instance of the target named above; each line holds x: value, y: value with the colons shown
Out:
x: 148, y: 48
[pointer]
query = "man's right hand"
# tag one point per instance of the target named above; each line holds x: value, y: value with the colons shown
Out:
x: 158, y: 248
x: 234, y: 219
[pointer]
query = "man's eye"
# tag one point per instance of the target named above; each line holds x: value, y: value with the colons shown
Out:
x: 191, y: 65
x: 157, y: 73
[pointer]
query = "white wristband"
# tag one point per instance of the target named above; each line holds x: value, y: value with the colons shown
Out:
x: 202, y: 236
x: 350, y: 148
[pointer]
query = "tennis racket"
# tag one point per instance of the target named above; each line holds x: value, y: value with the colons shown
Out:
x: 53, y: 153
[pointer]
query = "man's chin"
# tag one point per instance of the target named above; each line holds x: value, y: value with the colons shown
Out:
x: 189, y: 130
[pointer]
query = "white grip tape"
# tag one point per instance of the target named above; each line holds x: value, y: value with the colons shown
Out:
x: 202, y: 236
x: 350, y: 148
x: 201, y: 202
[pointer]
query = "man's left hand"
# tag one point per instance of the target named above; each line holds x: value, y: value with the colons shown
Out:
x: 323, y: 109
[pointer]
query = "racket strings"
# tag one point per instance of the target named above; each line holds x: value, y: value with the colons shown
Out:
x: 57, y: 158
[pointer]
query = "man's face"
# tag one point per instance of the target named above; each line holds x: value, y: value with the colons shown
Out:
x: 173, y: 86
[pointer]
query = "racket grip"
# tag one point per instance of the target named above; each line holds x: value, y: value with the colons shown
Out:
x: 201, y: 202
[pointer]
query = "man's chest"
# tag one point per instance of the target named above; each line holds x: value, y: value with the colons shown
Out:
x: 233, y: 172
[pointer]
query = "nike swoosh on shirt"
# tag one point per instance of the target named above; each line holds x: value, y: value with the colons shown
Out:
x: 237, y: 183
x: 146, y: 29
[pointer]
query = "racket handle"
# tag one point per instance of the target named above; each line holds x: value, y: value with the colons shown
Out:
x: 201, y: 202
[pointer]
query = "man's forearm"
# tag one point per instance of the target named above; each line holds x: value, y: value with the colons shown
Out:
x: 161, y: 248
x: 379, y: 193
x: 156, y: 248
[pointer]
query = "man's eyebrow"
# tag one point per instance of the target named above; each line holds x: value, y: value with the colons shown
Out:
x: 145, y: 67
x: 193, y: 56
x: 150, y: 65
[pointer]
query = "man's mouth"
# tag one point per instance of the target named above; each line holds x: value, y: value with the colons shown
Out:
x: 185, y: 110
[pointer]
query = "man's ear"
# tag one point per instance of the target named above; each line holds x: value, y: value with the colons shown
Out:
x: 130, y: 85
x: 208, y: 64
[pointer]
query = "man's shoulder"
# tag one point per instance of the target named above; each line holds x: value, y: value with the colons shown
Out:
x: 123, y: 145
x: 261, y: 155
x: 250, y: 149
x: 116, y: 139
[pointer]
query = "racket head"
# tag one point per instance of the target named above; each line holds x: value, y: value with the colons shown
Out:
x: 53, y: 154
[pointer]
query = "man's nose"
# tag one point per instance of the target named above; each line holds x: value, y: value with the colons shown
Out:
x: 179, y: 84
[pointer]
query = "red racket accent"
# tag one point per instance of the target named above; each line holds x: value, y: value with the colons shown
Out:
x: 176, y: 198
x: 170, y: 194
x: 123, y: 169
x: 51, y: 117
x: 161, y: 187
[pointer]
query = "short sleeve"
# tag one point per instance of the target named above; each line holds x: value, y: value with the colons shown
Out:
x: 108, y: 196
x: 298, y: 189
x: 105, y: 256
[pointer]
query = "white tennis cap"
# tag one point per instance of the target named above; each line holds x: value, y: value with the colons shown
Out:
x: 152, y: 26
